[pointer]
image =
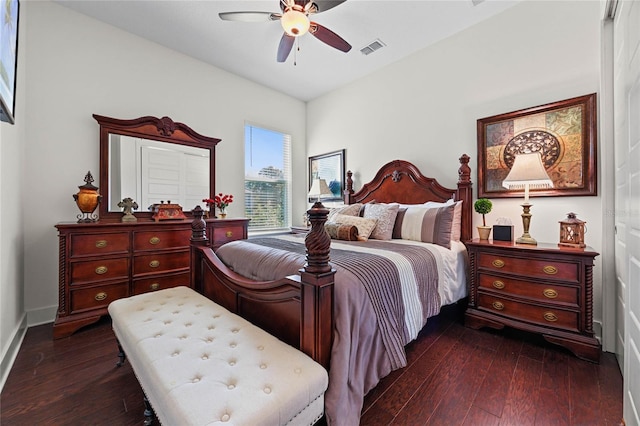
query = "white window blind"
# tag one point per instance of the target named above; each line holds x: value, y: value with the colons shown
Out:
x: 267, y: 179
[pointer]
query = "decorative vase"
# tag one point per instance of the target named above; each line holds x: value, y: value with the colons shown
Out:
x: 87, y: 200
x: 484, y: 232
x: 222, y: 215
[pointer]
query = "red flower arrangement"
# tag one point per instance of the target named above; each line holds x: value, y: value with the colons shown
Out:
x: 221, y: 201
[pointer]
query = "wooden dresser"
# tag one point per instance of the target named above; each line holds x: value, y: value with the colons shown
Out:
x: 543, y: 289
x: 104, y: 261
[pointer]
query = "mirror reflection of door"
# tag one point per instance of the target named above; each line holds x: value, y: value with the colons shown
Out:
x: 151, y: 172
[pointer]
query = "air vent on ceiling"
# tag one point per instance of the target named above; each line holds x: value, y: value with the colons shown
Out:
x: 372, y: 47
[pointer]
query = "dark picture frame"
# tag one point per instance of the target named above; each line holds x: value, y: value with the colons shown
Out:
x: 564, y: 132
x: 9, y: 60
x: 330, y: 167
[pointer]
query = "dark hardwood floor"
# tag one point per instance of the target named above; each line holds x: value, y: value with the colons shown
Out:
x: 455, y: 376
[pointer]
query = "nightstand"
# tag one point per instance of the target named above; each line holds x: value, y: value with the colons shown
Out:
x: 544, y: 289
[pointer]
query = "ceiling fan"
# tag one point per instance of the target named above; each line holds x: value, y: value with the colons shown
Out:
x: 295, y: 22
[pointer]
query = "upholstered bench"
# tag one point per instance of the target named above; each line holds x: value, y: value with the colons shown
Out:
x: 199, y: 364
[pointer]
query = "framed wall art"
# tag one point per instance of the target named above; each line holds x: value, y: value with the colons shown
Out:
x: 330, y: 167
x: 564, y: 133
x: 8, y: 60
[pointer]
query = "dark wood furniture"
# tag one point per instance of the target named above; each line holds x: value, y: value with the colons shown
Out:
x: 104, y: 261
x: 299, y: 309
x: 300, y: 229
x: 543, y: 289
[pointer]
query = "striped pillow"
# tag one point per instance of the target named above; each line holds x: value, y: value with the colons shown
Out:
x: 429, y: 225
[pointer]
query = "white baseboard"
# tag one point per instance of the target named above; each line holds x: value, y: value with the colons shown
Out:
x: 9, y: 357
x: 41, y: 316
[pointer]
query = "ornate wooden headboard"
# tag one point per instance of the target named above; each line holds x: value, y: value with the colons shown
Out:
x: 401, y: 182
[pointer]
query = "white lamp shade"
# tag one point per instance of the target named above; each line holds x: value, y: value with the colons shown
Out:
x: 319, y: 188
x: 295, y: 23
x: 527, y: 171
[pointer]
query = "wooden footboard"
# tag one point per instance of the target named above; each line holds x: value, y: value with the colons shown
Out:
x: 297, y: 309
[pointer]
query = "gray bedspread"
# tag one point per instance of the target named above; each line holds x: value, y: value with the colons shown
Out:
x: 384, y: 293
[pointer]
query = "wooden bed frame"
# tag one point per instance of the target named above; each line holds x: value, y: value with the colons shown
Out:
x: 298, y: 309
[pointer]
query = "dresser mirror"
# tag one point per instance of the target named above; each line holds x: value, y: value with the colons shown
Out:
x: 153, y: 160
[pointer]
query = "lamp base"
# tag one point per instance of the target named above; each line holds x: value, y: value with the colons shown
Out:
x: 526, y: 239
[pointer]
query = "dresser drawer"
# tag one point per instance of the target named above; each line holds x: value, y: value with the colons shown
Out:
x: 160, y: 262
x: 542, y: 292
x: 565, y: 271
x: 84, y: 245
x: 145, y: 285
x: 224, y: 234
x: 155, y: 240
x: 97, y: 297
x: 541, y: 315
x: 99, y: 270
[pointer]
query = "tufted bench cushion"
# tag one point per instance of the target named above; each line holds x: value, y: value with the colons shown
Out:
x: 200, y: 364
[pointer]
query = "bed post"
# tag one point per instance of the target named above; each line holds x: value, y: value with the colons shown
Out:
x: 317, y: 279
x: 198, y: 239
x: 465, y: 193
x: 348, y: 189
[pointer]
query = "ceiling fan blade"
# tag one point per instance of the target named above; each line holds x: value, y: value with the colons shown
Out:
x: 249, y: 16
x: 327, y: 36
x: 286, y: 43
x: 324, y: 5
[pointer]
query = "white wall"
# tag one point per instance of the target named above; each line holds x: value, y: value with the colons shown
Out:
x: 424, y: 108
x: 77, y: 66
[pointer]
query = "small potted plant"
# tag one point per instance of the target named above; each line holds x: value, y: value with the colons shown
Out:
x: 483, y: 206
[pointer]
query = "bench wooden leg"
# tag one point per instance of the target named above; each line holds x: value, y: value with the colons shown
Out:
x: 121, y: 356
x: 148, y: 412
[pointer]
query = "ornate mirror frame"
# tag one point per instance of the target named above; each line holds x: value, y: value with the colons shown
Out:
x: 159, y: 129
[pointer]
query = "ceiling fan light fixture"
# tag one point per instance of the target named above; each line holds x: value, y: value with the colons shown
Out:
x: 295, y: 23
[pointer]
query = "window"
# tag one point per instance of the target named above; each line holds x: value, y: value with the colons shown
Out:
x: 267, y: 178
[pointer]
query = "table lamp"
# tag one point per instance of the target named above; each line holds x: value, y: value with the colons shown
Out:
x: 527, y: 172
x: 319, y: 189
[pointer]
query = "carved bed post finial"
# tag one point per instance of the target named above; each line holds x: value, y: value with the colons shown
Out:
x: 348, y: 189
x: 198, y: 226
x: 464, y: 172
x: 317, y: 241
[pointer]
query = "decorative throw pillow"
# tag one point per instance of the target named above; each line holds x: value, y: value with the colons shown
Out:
x: 385, y: 214
x: 341, y: 232
x: 365, y: 226
x: 457, y: 216
x: 349, y: 210
x: 429, y: 225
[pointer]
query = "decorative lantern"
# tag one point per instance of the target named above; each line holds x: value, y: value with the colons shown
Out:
x: 87, y: 200
x: 572, y: 232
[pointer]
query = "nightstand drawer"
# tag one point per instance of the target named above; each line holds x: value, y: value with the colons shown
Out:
x: 155, y: 240
x: 541, y: 292
x: 84, y: 245
x: 99, y: 270
x: 544, y: 316
x: 160, y: 262
x: 225, y: 234
x: 529, y: 267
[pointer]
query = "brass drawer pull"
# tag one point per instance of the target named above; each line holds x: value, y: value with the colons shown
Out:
x: 154, y: 240
x: 154, y: 263
x: 550, y: 293
x: 498, y: 284
x: 229, y: 234
x: 550, y: 270
x: 550, y: 316
x: 101, y: 243
x: 498, y: 305
x: 498, y: 263
x: 154, y: 286
x: 101, y: 296
x: 101, y: 270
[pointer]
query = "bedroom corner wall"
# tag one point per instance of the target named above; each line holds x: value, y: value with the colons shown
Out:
x: 78, y: 66
x: 424, y: 108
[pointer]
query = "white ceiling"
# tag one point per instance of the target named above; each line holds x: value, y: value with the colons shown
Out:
x: 249, y: 49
